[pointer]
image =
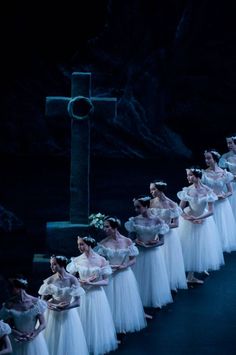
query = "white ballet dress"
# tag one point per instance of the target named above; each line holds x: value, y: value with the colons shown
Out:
x: 228, y: 161
x: 223, y: 213
x: 172, y: 248
x: 64, y: 332
x: 200, y: 242
x: 150, y: 267
x: 26, y: 321
x: 94, y: 310
x: 122, y: 291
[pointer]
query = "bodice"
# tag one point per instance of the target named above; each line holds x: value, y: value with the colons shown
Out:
x: 117, y: 256
x: 146, y: 228
x: 4, y: 329
x: 80, y: 265
x: 59, y: 293
x: 197, y: 202
x: 24, y: 321
x: 217, y: 180
x: 167, y: 214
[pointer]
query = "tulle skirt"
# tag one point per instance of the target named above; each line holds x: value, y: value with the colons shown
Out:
x: 64, y: 333
x: 232, y: 200
x: 174, y: 260
x: 96, y: 318
x: 125, y: 302
x: 200, y: 245
x: 151, y: 274
x: 226, y: 224
x: 35, y: 347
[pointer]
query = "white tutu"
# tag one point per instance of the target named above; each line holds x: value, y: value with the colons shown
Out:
x: 223, y: 214
x: 152, y: 278
x: 200, y: 245
x: 124, y: 299
x: 226, y: 224
x: 174, y: 260
x: 25, y: 321
x: 35, y: 347
x: 96, y: 318
x: 228, y: 160
x: 64, y: 333
x: 94, y: 310
x: 172, y: 246
x: 232, y: 200
x: 122, y: 291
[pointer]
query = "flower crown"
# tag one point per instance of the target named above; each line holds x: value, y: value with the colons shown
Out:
x: 195, y: 170
x: 22, y: 281
x: 213, y: 152
x: 88, y: 238
x: 160, y: 183
x: 60, y: 257
x: 113, y: 219
x: 97, y: 220
x: 144, y: 198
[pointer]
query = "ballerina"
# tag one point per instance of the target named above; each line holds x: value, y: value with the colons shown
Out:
x: 219, y: 181
x: 169, y: 212
x: 122, y: 291
x: 5, y: 343
x: 26, y: 313
x: 198, y: 232
x: 153, y: 286
x: 95, y: 313
x: 228, y: 161
x: 64, y: 333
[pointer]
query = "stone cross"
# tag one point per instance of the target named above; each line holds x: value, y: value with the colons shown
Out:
x: 79, y: 108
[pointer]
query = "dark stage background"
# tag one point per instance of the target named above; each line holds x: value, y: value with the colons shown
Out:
x: 171, y: 64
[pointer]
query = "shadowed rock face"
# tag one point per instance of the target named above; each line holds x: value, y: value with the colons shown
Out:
x: 171, y: 64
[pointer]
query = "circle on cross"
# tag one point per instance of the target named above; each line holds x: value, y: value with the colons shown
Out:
x: 80, y: 107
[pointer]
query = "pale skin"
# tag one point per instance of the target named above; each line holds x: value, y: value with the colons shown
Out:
x: 6, y: 345
x: 115, y: 241
x: 231, y: 145
x: 92, y: 259
x: 61, y: 278
x: 213, y: 166
x: 160, y: 200
x: 22, y: 301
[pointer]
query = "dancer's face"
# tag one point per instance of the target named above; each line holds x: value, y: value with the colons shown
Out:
x: 138, y: 207
x: 230, y: 144
x: 54, y: 265
x: 83, y: 247
x: 190, y: 176
x: 154, y: 191
x: 108, y: 229
x: 209, y: 159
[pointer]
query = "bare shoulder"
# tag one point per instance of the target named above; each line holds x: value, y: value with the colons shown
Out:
x: 226, y: 155
x: 171, y: 203
x: 73, y: 279
x: 104, y: 241
x: 128, y: 241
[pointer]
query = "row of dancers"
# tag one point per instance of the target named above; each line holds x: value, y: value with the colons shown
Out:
x: 106, y: 290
